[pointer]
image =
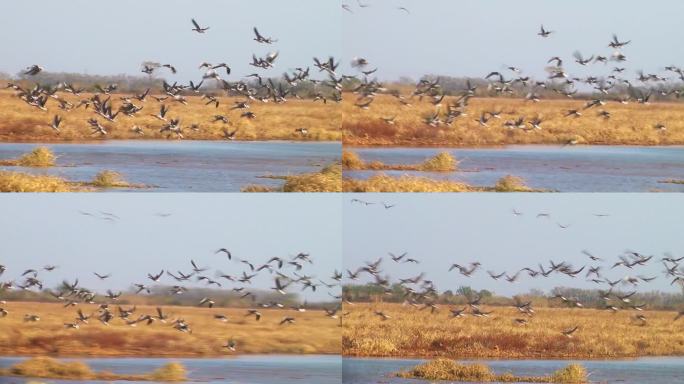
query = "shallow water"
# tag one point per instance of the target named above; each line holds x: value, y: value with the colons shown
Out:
x: 659, y: 370
x: 255, y: 369
x: 565, y: 169
x: 183, y: 166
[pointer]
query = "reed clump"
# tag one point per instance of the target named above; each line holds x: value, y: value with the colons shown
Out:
x: 512, y: 183
x: 39, y: 157
x: 328, y: 179
x: 169, y: 372
x: 24, y: 182
x: 445, y: 369
x: 49, y: 368
x: 441, y: 162
x: 109, y: 179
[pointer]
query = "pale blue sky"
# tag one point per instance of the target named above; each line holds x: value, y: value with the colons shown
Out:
x: 473, y: 37
x: 48, y: 229
x: 441, y: 229
x: 104, y: 37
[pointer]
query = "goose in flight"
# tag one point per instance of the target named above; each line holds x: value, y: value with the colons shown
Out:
x: 261, y: 39
x: 156, y: 277
x: 287, y: 320
x: 56, y: 121
x: 224, y: 250
x: 617, y: 44
x: 230, y: 345
x: 102, y: 277
x: 569, y: 332
x: 404, y: 9
x: 33, y: 70
x: 543, y: 32
x: 197, y: 28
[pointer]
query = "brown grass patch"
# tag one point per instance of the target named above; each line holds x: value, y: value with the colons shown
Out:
x: 630, y: 124
x: 443, y: 369
x: 20, y: 122
x: 416, y: 333
x: 328, y: 179
x: 49, y: 368
x: 441, y: 162
x: 313, y: 333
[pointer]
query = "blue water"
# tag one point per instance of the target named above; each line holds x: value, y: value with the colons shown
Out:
x: 564, y: 169
x: 183, y: 166
x: 660, y: 370
x: 254, y: 369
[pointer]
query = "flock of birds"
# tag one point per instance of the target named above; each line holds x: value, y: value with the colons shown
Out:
x: 450, y: 107
x: 254, y: 87
x: 420, y: 292
x: 288, y: 274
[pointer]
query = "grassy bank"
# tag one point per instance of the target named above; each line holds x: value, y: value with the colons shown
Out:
x: 631, y: 124
x: 48, y: 368
x: 601, y: 334
x: 406, y: 183
x: 328, y: 179
x: 20, y: 122
x: 443, y: 369
x: 312, y: 333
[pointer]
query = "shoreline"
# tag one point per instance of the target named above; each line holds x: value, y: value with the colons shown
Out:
x: 500, y: 146
x: 176, y: 356
x: 156, y: 139
x: 494, y: 358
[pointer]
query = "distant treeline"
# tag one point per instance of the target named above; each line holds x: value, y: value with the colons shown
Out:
x: 127, y: 84
x: 590, y: 298
x: 162, y: 296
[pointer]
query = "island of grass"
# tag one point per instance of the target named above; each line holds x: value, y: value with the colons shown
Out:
x: 441, y: 162
x: 328, y: 179
x: 444, y: 369
x: 39, y: 157
x: 49, y: 368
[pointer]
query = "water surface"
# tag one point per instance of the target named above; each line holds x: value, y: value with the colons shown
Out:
x: 660, y: 370
x: 565, y: 169
x: 183, y: 166
x: 253, y: 369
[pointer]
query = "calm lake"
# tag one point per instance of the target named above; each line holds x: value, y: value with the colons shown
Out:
x: 183, y: 166
x: 565, y: 169
x: 256, y: 369
x: 661, y: 370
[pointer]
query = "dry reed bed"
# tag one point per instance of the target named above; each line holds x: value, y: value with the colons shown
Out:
x: 312, y: 333
x: 631, y: 124
x: 48, y: 368
x: 416, y: 333
x: 20, y: 122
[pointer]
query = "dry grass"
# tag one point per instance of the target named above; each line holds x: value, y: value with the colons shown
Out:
x: 312, y: 333
x: 672, y: 181
x: 328, y: 179
x: 23, y: 182
x: 49, y: 368
x: 631, y: 124
x: 406, y: 183
x: 111, y: 179
x: 20, y: 122
x: 601, y: 334
x: 441, y: 162
x: 444, y: 369
x: 511, y: 183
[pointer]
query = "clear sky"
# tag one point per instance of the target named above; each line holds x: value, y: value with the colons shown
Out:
x: 441, y: 229
x: 41, y: 229
x: 473, y: 37
x: 105, y: 37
